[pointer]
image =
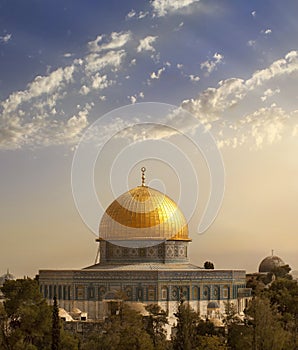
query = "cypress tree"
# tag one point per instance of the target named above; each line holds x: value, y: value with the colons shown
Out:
x: 55, y: 326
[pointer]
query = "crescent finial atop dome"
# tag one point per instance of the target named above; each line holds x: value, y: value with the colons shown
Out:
x: 143, y: 169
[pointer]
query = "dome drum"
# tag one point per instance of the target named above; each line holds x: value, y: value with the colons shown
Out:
x: 168, y: 251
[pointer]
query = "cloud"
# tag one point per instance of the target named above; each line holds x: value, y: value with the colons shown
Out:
x: 213, y: 102
x: 100, y: 82
x: 16, y: 131
x: 42, y: 114
x: 40, y: 86
x: 93, y: 45
x: 295, y: 130
x: 251, y: 43
x: 116, y: 41
x: 211, y: 65
x: 267, y: 31
x: 264, y: 126
x: 209, y: 105
x: 84, y: 90
x: 142, y: 14
x: 180, y: 25
x: 146, y: 44
x: 131, y: 14
x: 156, y: 75
x: 95, y: 62
x: 133, y: 99
x: 134, y: 14
x: 164, y: 7
x: 75, y: 125
x: 194, y: 78
x: 269, y: 93
x: 5, y: 38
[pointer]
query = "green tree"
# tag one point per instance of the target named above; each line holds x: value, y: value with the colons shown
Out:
x: 283, y: 294
x: 206, y: 328
x: 68, y: 341
x: 121, y: 332
x: 4, y: 328
x: 208, y: 265
x: 26, y: 315
x: 55, y: 326
x: 234, y: 327
x: 211, y: 343
x: 282, y: 272
x: 185, y: 332
x: 155, y: 325
x: 209, y: 337
x: 265, y: 331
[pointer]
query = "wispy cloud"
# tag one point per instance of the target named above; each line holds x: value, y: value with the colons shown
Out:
x: 263, y: 125
x: 115, y: 41
x: 95, y: 62
x: 212, y: 102
x: 269, y: 93
x: 251, y: 43
x: 194, y: 78
x: 164, y: 7
x: 146, y: 44
x: 5, y: 38
x: 211, y: 65
x: 36, y: 116
x: 131, y: 14
x: 266, y: 31
x: 157, y: 74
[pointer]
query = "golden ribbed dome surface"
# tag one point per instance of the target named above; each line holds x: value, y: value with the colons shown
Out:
x: 143, y: 213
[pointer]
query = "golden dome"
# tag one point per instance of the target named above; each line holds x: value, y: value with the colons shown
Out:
x: 143, y: 213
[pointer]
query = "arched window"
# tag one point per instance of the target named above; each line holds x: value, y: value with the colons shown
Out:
x: 225, y: 292
x: 206, y: 293
x: 195, y: 293
x: 216, y: 292
x: 128, y: 292
x: 174, y: 293
x: 151, y: 294
x: 185, y: 293
x: 164, y: 293
x: 91, y: 293
x: 101, y: 292
x: 80, y: 292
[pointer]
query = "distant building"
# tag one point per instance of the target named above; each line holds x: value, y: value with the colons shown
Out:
x: 267, y: 270
x: 270, y: 263
x: 143, y: 248
x: 6, y: 277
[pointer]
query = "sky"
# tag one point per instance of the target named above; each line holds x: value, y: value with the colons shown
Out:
x: 67, y: 64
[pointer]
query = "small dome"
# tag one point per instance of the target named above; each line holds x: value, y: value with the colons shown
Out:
x: 143, y: 213
x: 270, y: 263
x: 6, y: 277
x: 212, y: 305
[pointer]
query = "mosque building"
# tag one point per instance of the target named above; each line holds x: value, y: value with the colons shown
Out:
x: 143, y: 259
